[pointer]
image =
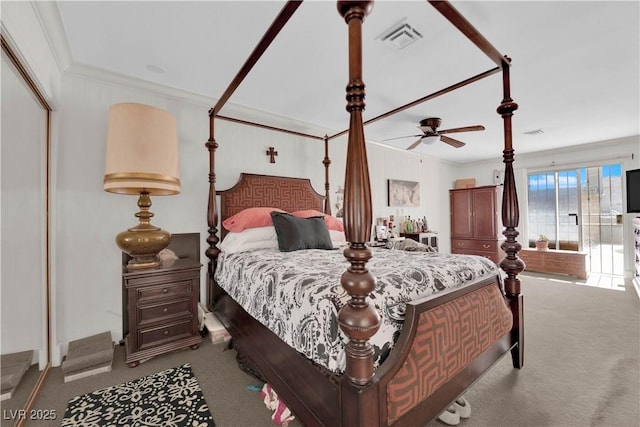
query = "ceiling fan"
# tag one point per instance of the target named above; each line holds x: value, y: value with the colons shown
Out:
x: 430, y: 133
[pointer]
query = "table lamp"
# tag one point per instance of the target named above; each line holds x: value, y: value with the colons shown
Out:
x: 142, y: 159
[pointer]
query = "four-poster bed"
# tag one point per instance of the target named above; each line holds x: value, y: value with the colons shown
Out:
x: 420, y: 377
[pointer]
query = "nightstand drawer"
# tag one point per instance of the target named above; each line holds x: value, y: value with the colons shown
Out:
x: 163, y: 291
x: 150, y: 337
x: 163, y: 311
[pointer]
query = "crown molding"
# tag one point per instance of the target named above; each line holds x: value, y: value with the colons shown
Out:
x: 16, y: 17
x: 624, y: 149
x: 230, y: 109
x: 48, y: 13
x: 88, y: 72
x: 242, y: 112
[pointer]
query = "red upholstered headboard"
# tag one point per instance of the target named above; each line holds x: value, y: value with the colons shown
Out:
x: 252, y: 191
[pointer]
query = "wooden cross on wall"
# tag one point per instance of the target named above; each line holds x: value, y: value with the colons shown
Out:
x: 271, y: 152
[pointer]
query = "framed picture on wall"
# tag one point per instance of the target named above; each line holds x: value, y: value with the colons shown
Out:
x: 403, y: 193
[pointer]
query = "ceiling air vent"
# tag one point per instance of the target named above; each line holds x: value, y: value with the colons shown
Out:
x: 400, y: 35
x: 534, y: 132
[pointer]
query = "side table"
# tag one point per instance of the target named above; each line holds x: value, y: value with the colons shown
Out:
x: 161, y: 312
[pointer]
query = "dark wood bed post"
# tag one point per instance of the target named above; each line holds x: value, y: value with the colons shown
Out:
x: 212, y: 251
x: 326, y: 162
x: 358, y: 319
x: 512, y: 265
x: 212, y: 209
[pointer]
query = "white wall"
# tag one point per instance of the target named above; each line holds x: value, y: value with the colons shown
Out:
x: 88, y: 275
x: 432, y: 174
x: 625, y: 151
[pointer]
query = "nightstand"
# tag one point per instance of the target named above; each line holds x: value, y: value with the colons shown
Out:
x: 160, y: 306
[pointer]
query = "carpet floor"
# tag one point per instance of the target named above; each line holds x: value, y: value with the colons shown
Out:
x: 582, y: 368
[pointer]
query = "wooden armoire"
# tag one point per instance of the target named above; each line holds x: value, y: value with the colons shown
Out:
x: 476, y: 223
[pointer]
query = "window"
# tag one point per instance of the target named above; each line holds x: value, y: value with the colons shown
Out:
x: 580, y: 209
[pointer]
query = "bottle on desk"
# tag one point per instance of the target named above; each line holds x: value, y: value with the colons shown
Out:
x: 409, y: 225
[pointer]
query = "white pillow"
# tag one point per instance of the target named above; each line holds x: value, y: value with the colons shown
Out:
x: 249, y: 239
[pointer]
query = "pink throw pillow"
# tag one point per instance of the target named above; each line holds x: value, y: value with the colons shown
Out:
x: 249, y: 218
x: 332, y: 222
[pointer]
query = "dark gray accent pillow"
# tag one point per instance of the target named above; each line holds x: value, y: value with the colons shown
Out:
x: 301, y: 233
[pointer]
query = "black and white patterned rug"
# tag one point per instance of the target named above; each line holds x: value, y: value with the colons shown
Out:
x: 169, y: 398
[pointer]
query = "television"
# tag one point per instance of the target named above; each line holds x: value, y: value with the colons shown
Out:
x: 633, y: 190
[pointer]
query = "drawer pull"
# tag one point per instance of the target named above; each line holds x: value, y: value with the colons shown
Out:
x: 486, y: 246
x: 165, y: 290
x: 460, y: 243
x: 166, y: 310
x: 166, y: 333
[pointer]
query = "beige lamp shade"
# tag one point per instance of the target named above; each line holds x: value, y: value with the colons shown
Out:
x: 142, y: 159
x: 142, y: 151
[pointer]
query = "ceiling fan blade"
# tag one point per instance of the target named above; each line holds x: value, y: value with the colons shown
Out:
x: 452, y: 142
x: 462, y: 129
x: 426, y: 129
x: 415, y: 144
x: 400, y: 137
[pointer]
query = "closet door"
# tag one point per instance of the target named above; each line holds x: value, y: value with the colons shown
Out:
x: 24, y: 259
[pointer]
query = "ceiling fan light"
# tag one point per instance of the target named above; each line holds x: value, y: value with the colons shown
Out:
x: 430, y: 139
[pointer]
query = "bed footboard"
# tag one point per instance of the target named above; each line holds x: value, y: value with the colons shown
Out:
x: 447, y: 343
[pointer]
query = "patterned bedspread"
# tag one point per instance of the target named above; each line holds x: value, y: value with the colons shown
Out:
x: 297, y: 295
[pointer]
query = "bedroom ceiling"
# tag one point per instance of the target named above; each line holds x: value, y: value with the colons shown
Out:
x: 575, y: 69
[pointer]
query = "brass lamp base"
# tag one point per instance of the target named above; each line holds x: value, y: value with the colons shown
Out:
x: 143, y: 245
x: 144, y: 241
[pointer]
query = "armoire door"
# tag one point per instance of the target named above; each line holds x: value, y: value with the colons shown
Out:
x: 485, y: 213
x: 461, y: 214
